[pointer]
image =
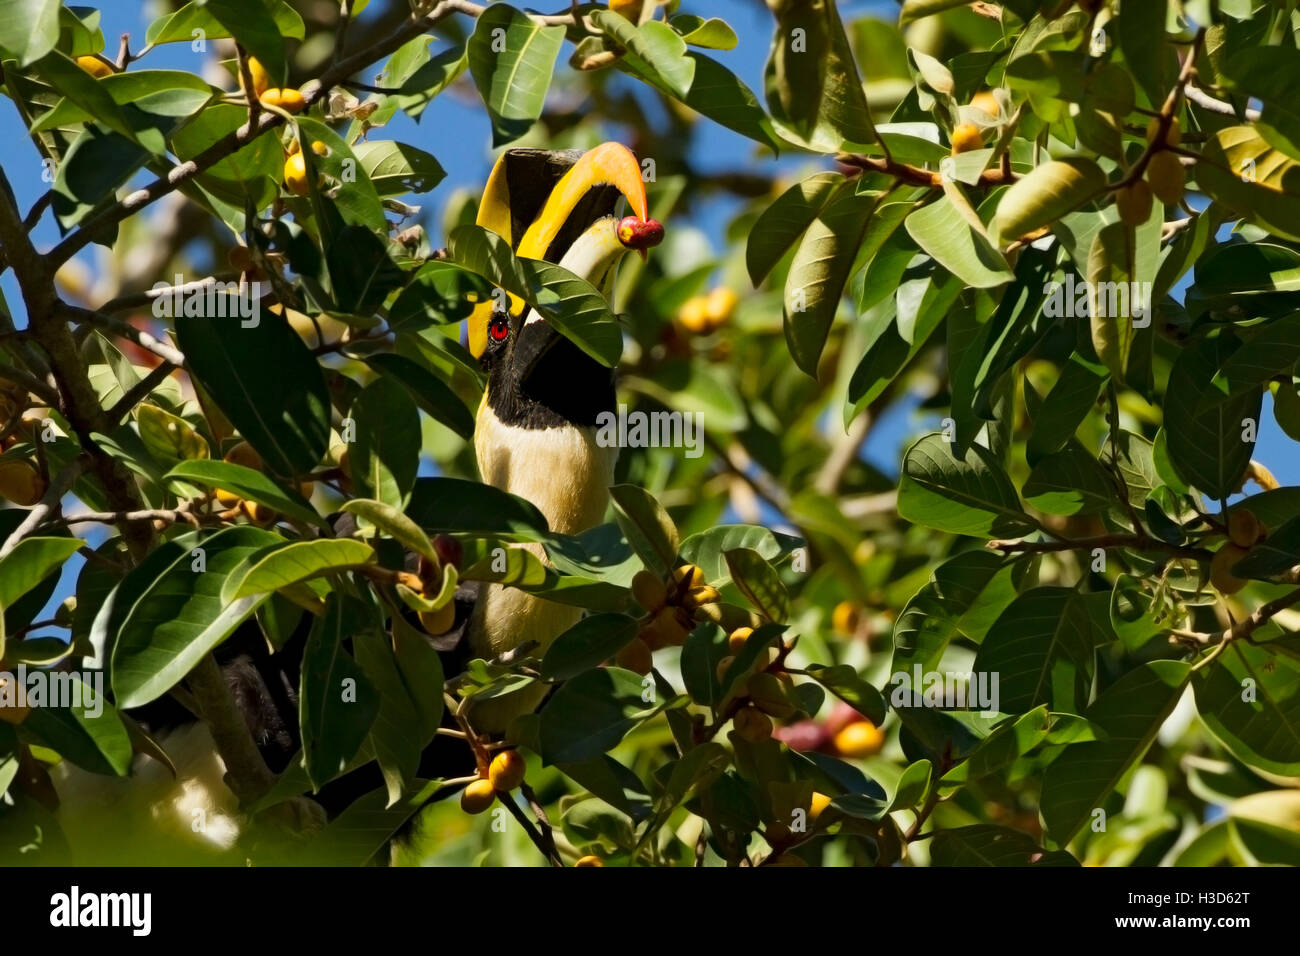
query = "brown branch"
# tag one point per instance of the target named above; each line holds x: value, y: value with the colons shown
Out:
x: 1245, y: 627
x: 1106, y: 542
x: 246, y: 772
x: 139, y: 391
x: 916, y: 176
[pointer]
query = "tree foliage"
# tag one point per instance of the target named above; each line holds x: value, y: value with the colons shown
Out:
x: 1069, y: 233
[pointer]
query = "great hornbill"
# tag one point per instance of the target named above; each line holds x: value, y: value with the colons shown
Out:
x: 535, y: 437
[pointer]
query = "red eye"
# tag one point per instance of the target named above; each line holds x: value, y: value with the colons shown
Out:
x: 499, y: 329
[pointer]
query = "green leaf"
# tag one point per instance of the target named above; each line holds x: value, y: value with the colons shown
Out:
x: 511, y: 58
x: 1053, y: 189
x: 950, y: 231
x: 179, y: 615
x: 300, y: 561
x: 29, y: 29
x: 588, y: 715
x: 431, y: 394
x: 813, y: 89
x: 393, y: 523
x: 587, y: 644
x: 1250, y: 700
x: 847, y: 684
x: 179, y: 27
x: 1130, y: 713
x: 357, y: 200
x: 707, y: 549
x: 571, y: 304
x: 162, y: 93
x: 759, y: 582
x: 1070, y: 482
x: 1272, y: 350
x: 337, y: 705
x: 361, y: 271
x: 654, y: 50
x: 970, y: 496
x: 1012, y: 740
x: 712, y: 34
x: 397, y: 168
x: 985, y: 845
x: 169, y: 437
x: 456, y: 505
x: 964, y: 596
x: 1276, y: 554
x: 821, y: 265
x: 397, y: 747
x: 92, y: 737
x: 1243, y: 171
x: 422, y: 86
x: 781, y: 224
x: 1041, y: 650
x: 385, y: 457
x: 266, y: 382
x: 253, y: 26
x: 246, y: 483
x: 919, y: 9
x: 29, y: 563
x: 62, y: 73
x: 1207, y: 448
x: 1141, y: 37
x: 649, y: 530
x: 420, y: 668
x: 1066, y: 406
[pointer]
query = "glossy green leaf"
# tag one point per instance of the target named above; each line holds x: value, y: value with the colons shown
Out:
x: 511, y: 58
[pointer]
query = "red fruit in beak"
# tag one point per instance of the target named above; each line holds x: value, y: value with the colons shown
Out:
x: 640, y: 234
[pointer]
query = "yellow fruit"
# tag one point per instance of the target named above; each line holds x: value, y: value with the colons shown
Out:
x: 478, y: 796
x: 16, y: 713
x: 845, y: 618
x: 630, y: 9
x: 648, y: 589
x: 694, y: 316
x: 1167, y: 178
x: 966, y: 137
x: 720, y: 305
x: 258, y: 513
x: 94, y: 66
x: 636, y: 657
x: 244, y: 454
x: 289, y: 100
x: 21, y: 482
x: 768, y: 694
x: 590, y: 861
x: 1173, y: 137
x: 737, y: 638
x: 295, y: 175
x: 1243, y: 528
x: 861, y: 738
x: 669, y: 627
x: 818, y: 803
x: 261, y: 79
x: 986, y: 102
x: 439, y: 621
x: 1221, y: 576
x: 1134, y: 203
x: 753, y: 725
x: 692, y: 575
x: 506, y: 772
x: 696, y: 597
x: 319, y: 148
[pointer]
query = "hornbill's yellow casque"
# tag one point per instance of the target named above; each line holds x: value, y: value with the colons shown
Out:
x: 535, y: 435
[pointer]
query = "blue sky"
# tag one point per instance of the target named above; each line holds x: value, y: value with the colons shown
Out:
x: 467, y: 159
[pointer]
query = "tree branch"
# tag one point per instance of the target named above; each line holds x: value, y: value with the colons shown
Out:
x: 1106, y: 542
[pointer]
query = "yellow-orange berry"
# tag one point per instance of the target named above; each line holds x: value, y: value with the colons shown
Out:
x: 859, y: 739
x: 478, y: 796
x: 506, y: 772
